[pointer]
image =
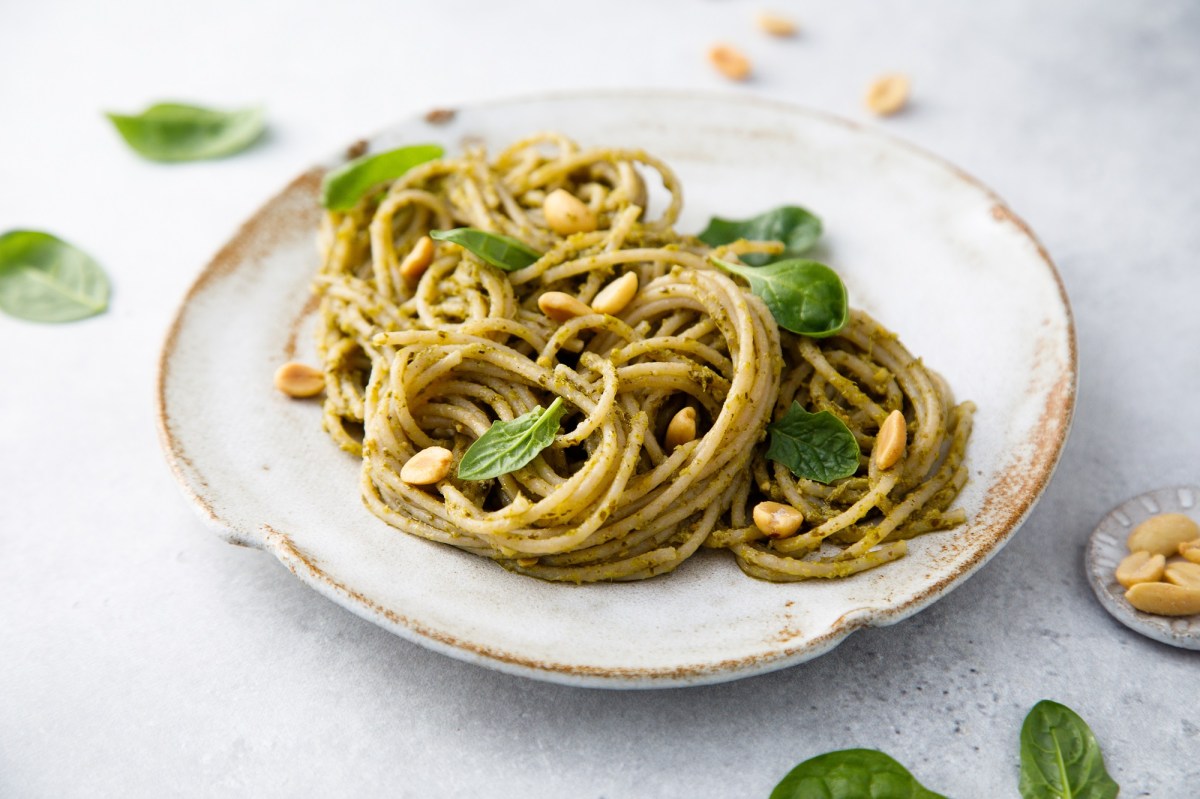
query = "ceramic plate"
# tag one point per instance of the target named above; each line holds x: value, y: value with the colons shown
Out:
x: 1106, y: 548
x: 922, y: 246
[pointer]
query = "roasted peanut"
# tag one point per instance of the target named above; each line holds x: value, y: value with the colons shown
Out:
x: 427, y: 466
x: 890, y: 442
x: 888, y: 94
x: 561, y: 307
x: 1190, y: 550
x: 299, y: 380
x: 1140, y: 567
x: 1183, y: 574
x: 1162, y: 534
x: 566, y: 214
x: 417, y: 260
x: 681, y: 429
x: 1164, y: 599
x: 775, y: 24
x: 616, y: 295
x: 526, y: 563
x: 777, y: 520
x: 729, y: 61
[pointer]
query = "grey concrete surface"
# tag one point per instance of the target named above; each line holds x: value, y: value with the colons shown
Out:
x: 140, y: 656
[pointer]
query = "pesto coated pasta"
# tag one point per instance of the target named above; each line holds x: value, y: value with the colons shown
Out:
x: 666, y: 381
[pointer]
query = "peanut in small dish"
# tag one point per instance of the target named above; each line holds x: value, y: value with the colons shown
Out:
x: 1140, y: 567
x: 1164, y: 599
x: 1190, y: 550
x: 1162, y: 534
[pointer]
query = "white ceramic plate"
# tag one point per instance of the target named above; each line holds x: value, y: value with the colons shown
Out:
x: 1106, y: 548
x: 923, y: 247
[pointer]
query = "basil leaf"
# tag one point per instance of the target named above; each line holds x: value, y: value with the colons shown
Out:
x: 796, y: 227
x: 805, y: 297
x: 507, y: 446
x: 45, y: 279
x: 1060, y: 758
x: 503, y: 252
x: 851, y: 774
x: 177, y: 132
x: 343, y: 187
x: 817, y: 446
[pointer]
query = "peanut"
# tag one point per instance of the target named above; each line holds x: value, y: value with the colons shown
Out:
x: 613, y: 298
x: 1140, y: 567
x: 887, y: 94
x: 775, y: 24
x: 1164, y: 599
x: 1183, y: 574
x: 566, y: 214
x: 681, y: 429
x: 417, y: 260
x: 1162, y: 534
x: 299, y: 380
x: 561, y: 307
x: 427, y: 466
x: 729, y: 61
x: 526, y: 563
x: 890, y: 442
x: 777, y: 520
x: 1190, y: 550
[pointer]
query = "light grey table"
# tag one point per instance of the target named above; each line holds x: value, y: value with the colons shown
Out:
x: 140, y: 656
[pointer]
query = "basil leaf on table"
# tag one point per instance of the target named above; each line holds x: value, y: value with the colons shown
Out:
x: 45, y: 279
x: 851, y: 774
x: 1060, y: 758
x: 816, y: 446
x: 178, y: 132
x: 805, y: 297
x: 343, y: 187
x: 796, y: 227
x: 507, y: 446
x: 502, y: 252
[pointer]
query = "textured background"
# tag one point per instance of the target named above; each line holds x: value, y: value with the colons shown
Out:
x: 140, y: 656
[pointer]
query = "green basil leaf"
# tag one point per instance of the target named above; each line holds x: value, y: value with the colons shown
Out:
x: 503, y: 252
x: 805, y: 297
x: 507, y: 446
x: 796, y: 227
x: 177, y: 132
x: 1060, y: 758
x: 45, y: 279
x: 851, y: 774
x: 343, y: 187
x: 817, y: 446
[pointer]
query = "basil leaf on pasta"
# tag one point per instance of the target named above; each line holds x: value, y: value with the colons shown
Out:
x: 816, y: 446
x: 1060, y: 756
x: 507, y: 446
x: 805, y: 297
x: 45, y: 279
x: 502, y: 252
x: 796, y: 228
x: 343, y: 187
x: 850, y: 774
x: 178, y: 132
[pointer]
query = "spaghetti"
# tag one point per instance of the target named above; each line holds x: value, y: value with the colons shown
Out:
x: 411, y: 364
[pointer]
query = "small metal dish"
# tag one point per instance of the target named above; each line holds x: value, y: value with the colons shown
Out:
x: 1106, y: 548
